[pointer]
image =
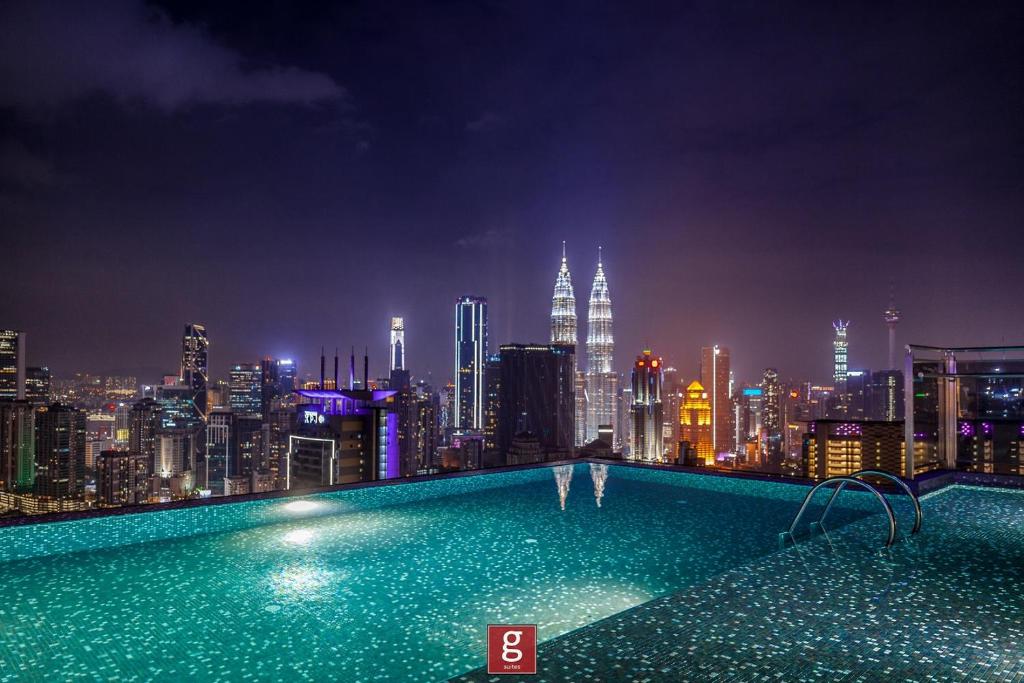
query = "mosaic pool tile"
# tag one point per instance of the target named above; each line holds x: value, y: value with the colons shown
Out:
x: 944, y: 605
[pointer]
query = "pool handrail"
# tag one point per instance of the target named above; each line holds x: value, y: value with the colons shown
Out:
x: 918, y: 516
x: 843, y: 481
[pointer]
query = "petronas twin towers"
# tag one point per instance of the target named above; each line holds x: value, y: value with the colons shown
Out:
x: 597, y: 388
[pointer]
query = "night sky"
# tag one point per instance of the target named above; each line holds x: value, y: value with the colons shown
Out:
x: 293, y: 177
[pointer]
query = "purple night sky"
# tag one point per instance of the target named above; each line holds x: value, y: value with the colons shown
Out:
x: 293, y: 176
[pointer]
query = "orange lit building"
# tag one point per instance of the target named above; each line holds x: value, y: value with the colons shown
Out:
x: 695, y: 422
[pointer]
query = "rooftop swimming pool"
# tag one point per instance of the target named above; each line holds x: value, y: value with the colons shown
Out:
x: 399, y: 582
x: 382, y: 583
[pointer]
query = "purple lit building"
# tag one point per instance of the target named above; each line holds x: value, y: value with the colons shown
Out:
x: 342, y: 437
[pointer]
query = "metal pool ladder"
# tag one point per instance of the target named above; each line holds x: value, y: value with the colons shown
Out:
x: 855, y: 479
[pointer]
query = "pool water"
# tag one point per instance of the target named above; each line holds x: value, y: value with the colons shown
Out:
x: 944, y: 605
x: 388, y: 583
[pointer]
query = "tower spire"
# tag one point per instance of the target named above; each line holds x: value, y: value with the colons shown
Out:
x: 563, y: 306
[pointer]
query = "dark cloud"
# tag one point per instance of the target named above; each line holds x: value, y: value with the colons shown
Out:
x: 55, y: 52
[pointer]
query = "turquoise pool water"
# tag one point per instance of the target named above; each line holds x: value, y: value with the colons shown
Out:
x: 945, y: 605
x: 384, y: 583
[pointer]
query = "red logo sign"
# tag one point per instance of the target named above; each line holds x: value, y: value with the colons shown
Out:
x: 511, y: 649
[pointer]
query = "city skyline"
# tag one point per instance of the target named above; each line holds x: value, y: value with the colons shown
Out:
x: 743, y: 197
x: 876, y: 338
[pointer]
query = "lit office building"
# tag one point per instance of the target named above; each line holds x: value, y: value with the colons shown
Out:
x: 37, y: 385
x: 536, y: 397
x: 246, y: 392
x: 17, y: 445
x: 60, y: 453
x: 695, y: 431
x: 716, y: 378
x: 647, y: 410
x: 12, y: 365
x: 470, y: 356
x: 602, y: 400
x: 397, y: 344
x: 195, y: 365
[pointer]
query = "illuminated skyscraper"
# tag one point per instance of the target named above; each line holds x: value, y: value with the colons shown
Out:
x: 892, y: 317
x: 12, y: 364
x: 695, y: 424
x: 195, y: 366
x: 771, y: 418
x: 602, y: 384
x: 470, y: 357
x: 563, y: 331
x: 716, y: 379
x: 563, y: 306
x: 397, y: 344
x: 648, y: 416
x: 840, y: 348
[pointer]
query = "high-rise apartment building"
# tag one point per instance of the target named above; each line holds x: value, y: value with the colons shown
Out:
x: 60, y: 453
x: 122, y: 478
x: 470, y: 357
x: 17, y: 445
x: 144, y: 419
x: 12, y: 365
x: 771, y: 418
x: 647, y: 410
x: 716, y: 378
x: 602, y: 383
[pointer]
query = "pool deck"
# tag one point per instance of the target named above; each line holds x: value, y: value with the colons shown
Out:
x: 945, y: 605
